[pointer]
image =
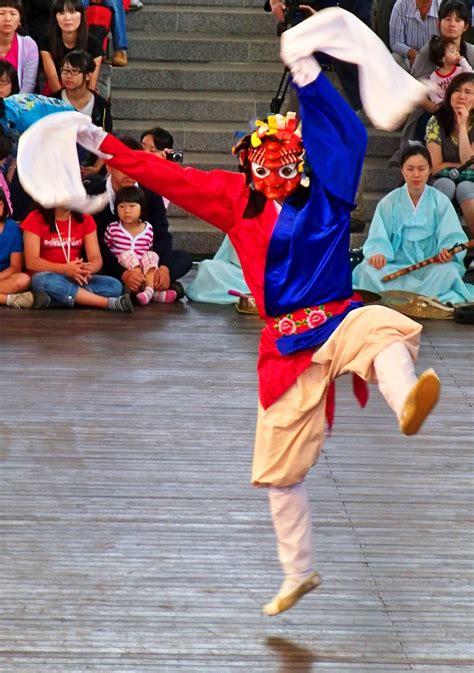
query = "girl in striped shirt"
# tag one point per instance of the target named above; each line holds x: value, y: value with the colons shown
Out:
x: 131, y: 241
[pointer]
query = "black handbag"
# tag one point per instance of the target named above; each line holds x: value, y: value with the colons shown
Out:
x: 464, y: 313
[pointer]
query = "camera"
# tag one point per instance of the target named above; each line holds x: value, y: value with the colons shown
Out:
x: 175, y: 155
x: 295, y: 15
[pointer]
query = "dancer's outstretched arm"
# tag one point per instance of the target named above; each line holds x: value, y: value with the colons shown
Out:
x: 208, y: 195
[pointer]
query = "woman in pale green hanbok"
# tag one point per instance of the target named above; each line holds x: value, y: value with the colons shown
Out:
x: 215, y: 277
x: 410, y: 224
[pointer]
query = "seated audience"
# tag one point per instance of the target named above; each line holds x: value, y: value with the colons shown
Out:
x: 173, y: 264
x: 158, y: 141
x: 38, y: 14
x: 217, y: 275
x: 8, y: 86
x: 412, y: 24
x: 450, y: 142
x: 446, y: 55
x: 17, y: 113
x: 54, y: 240
x: 453, y: 23
x: 67, y: 32
x: 130, y: 239
x: 18, y: 49
x: 410, y: 224
x: 76, y: 71
x: 119, y: 30
x: 13, y: 282
x: 6, y: 162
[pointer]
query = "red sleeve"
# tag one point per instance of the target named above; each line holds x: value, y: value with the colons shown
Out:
x: 210, y: 196
x: 89, y: 224
x: 33, y: 222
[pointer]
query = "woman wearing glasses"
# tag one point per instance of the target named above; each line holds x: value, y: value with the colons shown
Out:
x: 76, y: 71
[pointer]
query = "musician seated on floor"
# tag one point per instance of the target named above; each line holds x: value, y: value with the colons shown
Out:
x: 410, y: 224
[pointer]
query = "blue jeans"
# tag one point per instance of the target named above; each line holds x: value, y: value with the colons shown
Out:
x: 64, y: 290
x: 119, y: 26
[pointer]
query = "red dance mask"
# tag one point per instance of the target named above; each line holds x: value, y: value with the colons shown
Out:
x: 274, y: 156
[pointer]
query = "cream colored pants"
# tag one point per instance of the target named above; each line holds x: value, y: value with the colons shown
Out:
x: 290, y: 432
x: 374, y: 342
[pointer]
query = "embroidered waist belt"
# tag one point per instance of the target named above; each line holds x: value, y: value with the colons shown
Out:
x: 304, y: 319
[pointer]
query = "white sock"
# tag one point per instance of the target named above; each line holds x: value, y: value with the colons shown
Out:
x: 396, y: 376
x: 292, y: 523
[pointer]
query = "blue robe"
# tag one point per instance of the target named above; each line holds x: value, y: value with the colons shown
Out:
x: 406, y: 235
x: 216, y: 276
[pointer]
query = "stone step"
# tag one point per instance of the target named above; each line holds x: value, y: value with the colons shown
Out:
x: 188, y: 105
x: 202, y: 240
x: 371, y: 199
x: 195, y: 236
x: 184, y: 19
x: 218, y: 4
x: 382, y: 143
x: 205, y: 136
x: 203, y: 47
x: 378, y: 177
x: 166, y: 75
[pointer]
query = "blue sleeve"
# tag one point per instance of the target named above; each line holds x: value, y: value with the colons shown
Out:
x: 334, y: 138
x: 379, y: 241
x: 23, y: 110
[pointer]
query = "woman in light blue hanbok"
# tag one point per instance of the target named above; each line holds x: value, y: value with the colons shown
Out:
x: 410, y: 224
x: 216, y: 276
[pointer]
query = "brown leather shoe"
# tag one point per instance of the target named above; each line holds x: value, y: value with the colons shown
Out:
x: 120, y: 58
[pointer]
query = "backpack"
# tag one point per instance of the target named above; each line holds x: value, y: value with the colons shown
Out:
x: 99, y: 21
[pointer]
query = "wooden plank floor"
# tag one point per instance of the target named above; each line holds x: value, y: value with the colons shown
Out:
x: 131, y: 541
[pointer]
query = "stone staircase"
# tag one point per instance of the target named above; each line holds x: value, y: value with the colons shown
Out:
x: 203, y: 71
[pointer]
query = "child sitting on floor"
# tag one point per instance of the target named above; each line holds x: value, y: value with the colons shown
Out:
x: 62, y: 254
x: 13, y: 282
x: 131, y: 240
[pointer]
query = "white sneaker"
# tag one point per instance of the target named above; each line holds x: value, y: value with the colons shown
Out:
x: 21, y: 300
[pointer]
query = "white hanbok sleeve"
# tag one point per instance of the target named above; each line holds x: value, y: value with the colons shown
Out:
x: 388, y: 93
x: 48, y: 164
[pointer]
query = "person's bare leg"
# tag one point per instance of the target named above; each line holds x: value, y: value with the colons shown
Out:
x: 148, y: 291
x: 13, y: 291
x: 86, y: 298
x: 18, y: 282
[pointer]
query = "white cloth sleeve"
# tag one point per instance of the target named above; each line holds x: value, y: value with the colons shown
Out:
x: 48, y: 164
x: 388, y: 92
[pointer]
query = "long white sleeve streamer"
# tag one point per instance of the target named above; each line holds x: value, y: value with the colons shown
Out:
x: 388, y: 93
x: 48, y: 165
